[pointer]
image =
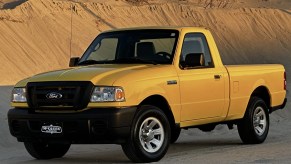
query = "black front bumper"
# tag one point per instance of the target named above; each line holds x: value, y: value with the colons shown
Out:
x: 102, y: 125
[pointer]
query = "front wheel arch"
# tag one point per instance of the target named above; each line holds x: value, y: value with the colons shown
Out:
x: 133, y: 147
x: 161, y: 103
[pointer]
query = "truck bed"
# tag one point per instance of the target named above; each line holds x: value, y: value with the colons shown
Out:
x: 244, y: 79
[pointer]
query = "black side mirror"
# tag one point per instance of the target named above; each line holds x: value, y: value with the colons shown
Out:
x: 74, y: 61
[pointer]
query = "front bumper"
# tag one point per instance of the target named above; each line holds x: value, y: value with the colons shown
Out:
x: 97, y: 125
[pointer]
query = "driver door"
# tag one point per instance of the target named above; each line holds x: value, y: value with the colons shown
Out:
x: 201, y: 85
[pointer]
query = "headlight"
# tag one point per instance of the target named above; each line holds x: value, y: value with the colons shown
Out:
x: 18, y: 95
x: 107, y: 94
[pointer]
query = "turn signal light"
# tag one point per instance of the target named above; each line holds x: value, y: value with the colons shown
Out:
x: 119, y: 94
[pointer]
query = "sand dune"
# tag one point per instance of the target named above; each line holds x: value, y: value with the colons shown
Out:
x: 35, y: 35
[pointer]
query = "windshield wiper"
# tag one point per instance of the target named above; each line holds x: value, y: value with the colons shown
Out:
x: 90, y: 62
x: 135, y: 60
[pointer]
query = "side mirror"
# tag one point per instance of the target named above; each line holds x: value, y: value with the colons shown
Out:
x: 74, y: 61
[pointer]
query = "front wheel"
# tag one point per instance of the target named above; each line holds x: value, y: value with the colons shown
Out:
x: 150, y: 135
x: 254, y: 127
x: 46, y: 151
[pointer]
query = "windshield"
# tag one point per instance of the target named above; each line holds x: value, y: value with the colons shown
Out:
x: 132, y: 46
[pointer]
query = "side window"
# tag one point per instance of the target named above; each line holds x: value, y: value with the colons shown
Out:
x: 195, y: 52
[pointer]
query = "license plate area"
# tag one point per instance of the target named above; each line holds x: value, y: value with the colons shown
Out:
x: 55, y: 128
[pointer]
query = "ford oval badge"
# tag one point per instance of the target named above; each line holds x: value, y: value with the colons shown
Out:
x: 54, y: 95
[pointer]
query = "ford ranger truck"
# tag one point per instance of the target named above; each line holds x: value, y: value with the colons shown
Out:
x: 138, y: 88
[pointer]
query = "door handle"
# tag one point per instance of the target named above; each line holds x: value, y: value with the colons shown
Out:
x: 217, y: 76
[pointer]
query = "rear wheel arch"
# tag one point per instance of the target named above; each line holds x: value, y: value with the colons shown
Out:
x: 263, y: 93
x: 253, y: 128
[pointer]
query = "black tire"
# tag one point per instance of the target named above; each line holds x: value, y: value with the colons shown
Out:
x: 136, y: 148
x: 46, y: 151
x: 175, y: 134
x: 253, y: 130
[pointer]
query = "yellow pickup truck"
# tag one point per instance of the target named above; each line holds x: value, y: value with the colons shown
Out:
x: 138, y: 88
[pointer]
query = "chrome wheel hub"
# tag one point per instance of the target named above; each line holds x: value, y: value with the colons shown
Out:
x: 151, y: 135
x: 259, y: 121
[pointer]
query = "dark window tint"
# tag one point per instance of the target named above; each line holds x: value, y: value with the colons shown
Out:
x: 132, y: 47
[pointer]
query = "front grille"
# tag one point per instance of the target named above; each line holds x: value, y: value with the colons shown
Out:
x: 66, y: 95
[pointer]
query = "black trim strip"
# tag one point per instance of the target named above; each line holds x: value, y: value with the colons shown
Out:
x: 272, y: 109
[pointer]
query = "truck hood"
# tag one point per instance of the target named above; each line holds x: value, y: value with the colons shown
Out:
x: 97, y: 74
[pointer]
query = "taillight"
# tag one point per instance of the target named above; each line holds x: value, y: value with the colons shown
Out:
x: 285, y: 81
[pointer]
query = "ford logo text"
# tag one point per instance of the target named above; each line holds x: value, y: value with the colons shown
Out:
x: 54, y: 95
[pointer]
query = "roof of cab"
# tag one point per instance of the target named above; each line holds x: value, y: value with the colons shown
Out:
x: 179, y: 28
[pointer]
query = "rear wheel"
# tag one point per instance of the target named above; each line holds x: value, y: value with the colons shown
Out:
x: 150, y: 135
x: 40, y: 150
x: 254, y: 127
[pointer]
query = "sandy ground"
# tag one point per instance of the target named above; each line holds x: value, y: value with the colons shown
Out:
x: 219, y: 146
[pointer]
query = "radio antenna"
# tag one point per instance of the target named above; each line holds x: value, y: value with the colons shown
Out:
x: 71, y: 37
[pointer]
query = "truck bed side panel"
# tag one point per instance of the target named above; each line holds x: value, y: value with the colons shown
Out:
x: 244, y: 79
